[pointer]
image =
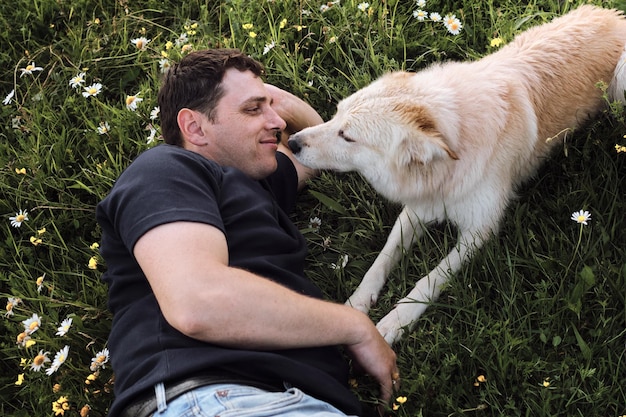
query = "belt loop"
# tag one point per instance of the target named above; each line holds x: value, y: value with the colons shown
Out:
x: 159, y: 391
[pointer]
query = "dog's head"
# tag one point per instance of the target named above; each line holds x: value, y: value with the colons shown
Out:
x: 378, y: 129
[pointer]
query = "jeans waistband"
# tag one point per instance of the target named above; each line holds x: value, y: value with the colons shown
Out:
x: 147, y: 404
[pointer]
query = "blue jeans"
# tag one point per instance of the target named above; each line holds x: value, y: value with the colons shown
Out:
x: 232, y: 400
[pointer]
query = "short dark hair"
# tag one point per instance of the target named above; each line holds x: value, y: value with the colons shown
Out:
x: 196, y: 83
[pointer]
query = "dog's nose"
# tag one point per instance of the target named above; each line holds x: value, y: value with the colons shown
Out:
x: 294, y: 145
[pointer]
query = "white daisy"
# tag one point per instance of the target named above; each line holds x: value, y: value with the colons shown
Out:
x: 64, y: 327
x: 421, y: 3
x: 315, y: 222
x: 269, y: 47
x: 140, y: 43
x: 59, y: 359
x: 435, y: 17
x: 363, y: 6
x: 30, y: 68
x: 78, y: 80
x: 152, y: 136
x: 453, y: 24
x: 40, y: 282
x: 581, y: 217
x: 164, y: 65
x: 154, y: 113
x: 11, y: 303
x: 182, y: 40
x: 92, y: 90
x: 132, y: 101
x: 32, y: 324
x: 19, y: 218
x: 39, y: 361
x: 343, y: 261
x: 104, y: 128
x: 420, y: 15
x: 99, y: 360
x: 8, y: 98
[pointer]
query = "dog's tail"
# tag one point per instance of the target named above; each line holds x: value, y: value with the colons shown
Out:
x: 617, y: 87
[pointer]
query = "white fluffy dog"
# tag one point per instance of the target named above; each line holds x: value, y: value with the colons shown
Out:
x: 453, y: 141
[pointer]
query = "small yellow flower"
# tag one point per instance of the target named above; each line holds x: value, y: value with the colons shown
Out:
x: 96, y: 21
x: 620, y: 148
x: 401, y: 400
x: 93, y: 263
x: 35, y: 241
x: 252, y: 35
x: 90, y: 378
x: 41, y: 231
x: 186, y: 48
x: 481, y: 379
x: 164, y: 54
x: 21, y: 171
x: 56, y: 388
x: 395, y: 407
x: 546, y: 382
x: 20, y: 380
x: 30, y: 342
x: 94, y: 246
x: 283, y: 23
x: 169, y: 45
x: 495, y: 42
x: 60, y: 406
x: 247, y: 26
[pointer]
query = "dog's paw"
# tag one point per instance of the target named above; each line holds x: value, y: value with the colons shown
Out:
x: 390, y: 328
x: 399, y: 320
x: 361, y: 300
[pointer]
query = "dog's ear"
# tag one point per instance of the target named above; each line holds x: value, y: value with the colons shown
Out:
x: 423, y: 142
x: 422, y: 149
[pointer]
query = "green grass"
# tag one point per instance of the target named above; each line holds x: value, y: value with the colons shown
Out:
x: 539, y: 313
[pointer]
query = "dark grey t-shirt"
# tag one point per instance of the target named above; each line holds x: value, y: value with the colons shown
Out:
x: 168, y: 184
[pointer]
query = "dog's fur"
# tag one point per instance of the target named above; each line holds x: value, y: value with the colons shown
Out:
x: 453, y: 141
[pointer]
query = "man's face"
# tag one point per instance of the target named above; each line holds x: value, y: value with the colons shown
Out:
x: 243, y: 134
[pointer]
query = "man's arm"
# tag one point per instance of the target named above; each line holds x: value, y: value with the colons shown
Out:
x: 202, y: 297
x: 298, y: 115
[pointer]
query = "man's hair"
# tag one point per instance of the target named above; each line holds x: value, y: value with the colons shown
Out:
x: 196, y: 83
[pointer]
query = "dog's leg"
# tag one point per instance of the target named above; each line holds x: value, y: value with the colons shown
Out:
x: 404, y: 231
x: 427, y: 289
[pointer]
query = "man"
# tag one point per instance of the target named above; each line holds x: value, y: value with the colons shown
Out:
x: 212, y: 309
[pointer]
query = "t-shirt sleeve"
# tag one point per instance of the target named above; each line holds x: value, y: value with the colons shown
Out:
x: 163, y: 187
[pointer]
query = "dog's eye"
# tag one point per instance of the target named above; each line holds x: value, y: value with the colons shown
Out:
x: 344, y: 137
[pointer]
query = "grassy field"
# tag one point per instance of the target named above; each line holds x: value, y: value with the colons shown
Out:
x: 535, y: 325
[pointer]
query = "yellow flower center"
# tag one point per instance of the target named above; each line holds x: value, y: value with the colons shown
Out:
x: 39, y: 280
x: 130, y: 100
x: 92, y: 91
x: 101, y: 358
x: 20, y: 218
x: 581, y: 219
x: 139, y: 44
x: 9, y: 306
x: 29, y: 67
x: 21, y: 337
x: 39, y: 359
x: 33, y: 326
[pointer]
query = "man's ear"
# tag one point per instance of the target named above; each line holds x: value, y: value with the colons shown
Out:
x: 190, y: 123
